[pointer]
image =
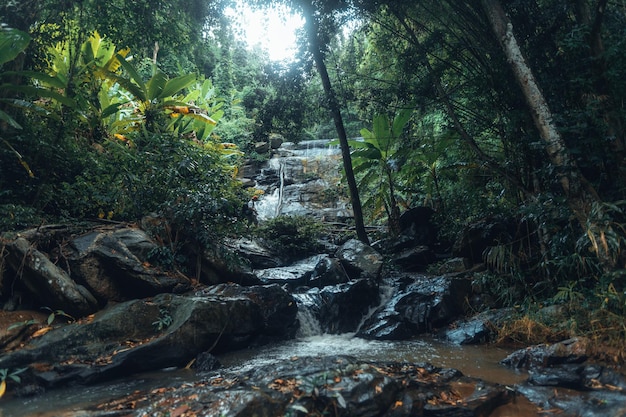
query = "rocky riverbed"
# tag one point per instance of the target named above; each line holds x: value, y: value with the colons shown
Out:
x: 83, y: 305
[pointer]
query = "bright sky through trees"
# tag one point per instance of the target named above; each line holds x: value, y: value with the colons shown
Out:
x: 273, y: 29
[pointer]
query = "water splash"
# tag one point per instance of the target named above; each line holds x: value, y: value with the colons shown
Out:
x: 307, y: 315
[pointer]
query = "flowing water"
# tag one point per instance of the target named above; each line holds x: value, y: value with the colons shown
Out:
x: 476, y: 361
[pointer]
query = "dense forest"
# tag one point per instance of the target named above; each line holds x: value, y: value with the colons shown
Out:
x: 500, y: 109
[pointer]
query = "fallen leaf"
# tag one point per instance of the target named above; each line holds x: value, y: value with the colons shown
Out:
x: 177, y: 412
x: 41, y: 331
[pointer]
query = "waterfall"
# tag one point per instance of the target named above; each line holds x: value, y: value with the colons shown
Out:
x: 298, y: 181
x: 307, y: 316
x: 281, y: 186
x: 386, y: 291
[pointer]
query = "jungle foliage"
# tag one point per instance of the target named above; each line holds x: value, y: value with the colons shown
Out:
x: 116, y: 118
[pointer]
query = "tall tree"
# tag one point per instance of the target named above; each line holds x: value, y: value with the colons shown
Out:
x: 579, y: 193
x: 316, y: 48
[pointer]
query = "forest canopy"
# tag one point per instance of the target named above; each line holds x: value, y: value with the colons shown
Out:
x: 490, y: 109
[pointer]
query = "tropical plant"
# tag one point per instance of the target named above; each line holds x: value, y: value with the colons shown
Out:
x: 375, y: 164
x: 12, y: 43
x: 8, y: 374
x: 157, y: 98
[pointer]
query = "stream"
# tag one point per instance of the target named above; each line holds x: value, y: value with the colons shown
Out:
x: 476, y: 361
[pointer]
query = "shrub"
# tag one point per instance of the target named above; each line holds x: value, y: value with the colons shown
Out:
x: 292, y: 236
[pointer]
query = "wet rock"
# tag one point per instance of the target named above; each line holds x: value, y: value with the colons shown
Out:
x: 50, y: 284
x: 416, y: 224
x: 221, y: 265
x: 540, y: 356
x: 575, y: 403
x: 141, y: 335
x: 393, y: 245
x: 581, y: 377
x: 261, y: 147
x: 339, y: 385
x: 278, y: 307
x: 454, y: 265
x: 276, y: 140
x: 107, y: 267
x: 424, y: 304
x: 258, y: 256
x: 478, y: 329
x: 360, y: 260
x: 339, y: 308
x: 415, y: 259
x: 293, y: 276
x: 206, y: 362
x: 344, y: 305
x: 328, y: 271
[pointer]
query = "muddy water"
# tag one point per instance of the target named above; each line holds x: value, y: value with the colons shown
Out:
x: 476, y: 361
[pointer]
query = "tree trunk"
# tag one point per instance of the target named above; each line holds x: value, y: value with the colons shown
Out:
x: 579, y: 193
x: 315, y: 48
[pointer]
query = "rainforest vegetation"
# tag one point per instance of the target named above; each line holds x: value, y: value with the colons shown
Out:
x: 484, y: 109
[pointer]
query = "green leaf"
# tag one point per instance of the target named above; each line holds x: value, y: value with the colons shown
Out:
x: 382, y: 131
x: 141, y: 92
x: 400, y: 121
x: 44, y: 92
x: 112, y: 109
x: 177, y: 84
x: 129, y: 86
x: 367, y: 135
x: 9, y: 120
x: 12, y: 42
x: 52, y: 81
x: 155, y: 85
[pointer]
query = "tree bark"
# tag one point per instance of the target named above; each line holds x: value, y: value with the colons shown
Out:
x: 579, y: 193
x: 315, y: 47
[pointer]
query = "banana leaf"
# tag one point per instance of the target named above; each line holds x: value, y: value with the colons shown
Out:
x: 12, y: 42
x: 177, y: 84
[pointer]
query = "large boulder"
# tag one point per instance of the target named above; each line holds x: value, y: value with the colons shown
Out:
x: 360, y: 260
x: 575, y: 350
x: 295, y: 275
x: 103, y: 262
x: 258, y: 256
x: 591, y: 389
x: 339, y: 308
x: 164, y: 331
x: 478, y: 329
x: 420, y: 304
x: 314, y: 271
x: 278, y: 308
x: 416, y: 224
x: 51, y: 285
x: 222, y: 264
x: 414, y: 259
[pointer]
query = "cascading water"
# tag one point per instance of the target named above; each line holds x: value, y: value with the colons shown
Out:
x: 309, y: 322
x: 299, y: 179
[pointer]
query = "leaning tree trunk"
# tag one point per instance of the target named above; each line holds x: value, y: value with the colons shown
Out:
x: 318, y: 56
x: 579, y: 193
